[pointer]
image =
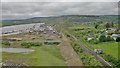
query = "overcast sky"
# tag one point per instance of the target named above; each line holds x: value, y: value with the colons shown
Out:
x: 20, y: 10
x: 60, y: 0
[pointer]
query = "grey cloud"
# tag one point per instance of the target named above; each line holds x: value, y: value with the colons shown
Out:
x: 16, y: 10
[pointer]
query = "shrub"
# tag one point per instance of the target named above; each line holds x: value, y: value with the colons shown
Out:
x: 102, y: 38
x: 96, y: 41
x: 110, y: 32
x: 6, y: 43
x: 118, y: 39
x: 85, y: 37
x: 52, y: 43
x: 68, y: 35
x: 108, y: 38
x: 101, y: 26
x: 26, y: 45
x: 29, y: 44
x: 89, y: 31
x: 111, y: 59
x: 87, y: 59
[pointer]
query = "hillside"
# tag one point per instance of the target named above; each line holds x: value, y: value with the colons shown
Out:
x: 64, y: 19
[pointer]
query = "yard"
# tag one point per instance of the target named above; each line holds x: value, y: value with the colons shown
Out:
x: 109, y: 48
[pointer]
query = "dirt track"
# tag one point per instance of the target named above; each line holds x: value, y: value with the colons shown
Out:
x: 70, y: 56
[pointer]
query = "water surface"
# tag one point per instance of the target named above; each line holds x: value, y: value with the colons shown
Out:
x: 16, y: 50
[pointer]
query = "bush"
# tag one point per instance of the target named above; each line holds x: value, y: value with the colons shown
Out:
x: 26, y: 45
x: 102, y: 38
x: 85, y: 37
x: 87, y: 59
x: 68, y: 35
x: 77, y: 48
x: 118, y: 39
x: 29, y: 44
x: 6, y: 43
x: 112, y: 60
x: 52, y: 43
x: 101, y: 26
x: 110, y: 32
x: 96, y: 41
x: 108, y: 38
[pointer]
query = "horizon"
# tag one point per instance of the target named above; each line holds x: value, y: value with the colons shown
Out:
x: 47, y: 9
x: 56, y: 16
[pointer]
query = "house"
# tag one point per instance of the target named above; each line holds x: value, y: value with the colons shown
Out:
x: 89, y: 39
x: 49, y: 28
x: 41, y: 29
x: 45, y: 32
x: 115, y: 36
x: 98, y: 51
x: 113, y: 29
x: 14, y: 39
x: 33, y: 38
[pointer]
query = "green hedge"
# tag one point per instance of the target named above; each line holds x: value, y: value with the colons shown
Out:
x: 6, y: 43
x: 86, y: 58
x: 111, y: 59
x: 29, y: 44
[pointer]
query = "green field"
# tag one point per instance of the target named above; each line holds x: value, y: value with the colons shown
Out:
x: 42, y: 56
x: 109, y: 48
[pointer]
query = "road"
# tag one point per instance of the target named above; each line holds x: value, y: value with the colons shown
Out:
x: 90, y: 51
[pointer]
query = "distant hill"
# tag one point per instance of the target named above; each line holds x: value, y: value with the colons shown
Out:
x: 63, y: 19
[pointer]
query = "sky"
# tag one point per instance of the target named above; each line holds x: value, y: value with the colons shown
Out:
x: 14, y: 9
x: 60, y: 0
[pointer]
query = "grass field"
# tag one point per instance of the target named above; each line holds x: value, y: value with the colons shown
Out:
x: 109, y: 48
x: 42, y: 56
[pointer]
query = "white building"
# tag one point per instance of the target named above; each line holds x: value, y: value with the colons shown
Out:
x: 115, y: 36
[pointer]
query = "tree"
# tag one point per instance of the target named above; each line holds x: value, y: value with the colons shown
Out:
x: 102, y: 38
x: 108, y: 38
x: 101, y: 26
x: 107, y: 25
x: 26, y: 45
x: 110, y: 32
x: 96, y: 26
x: 118, y: 39
x: 112, y: 24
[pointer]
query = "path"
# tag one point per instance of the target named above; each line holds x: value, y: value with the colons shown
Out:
x: 70, y: 56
